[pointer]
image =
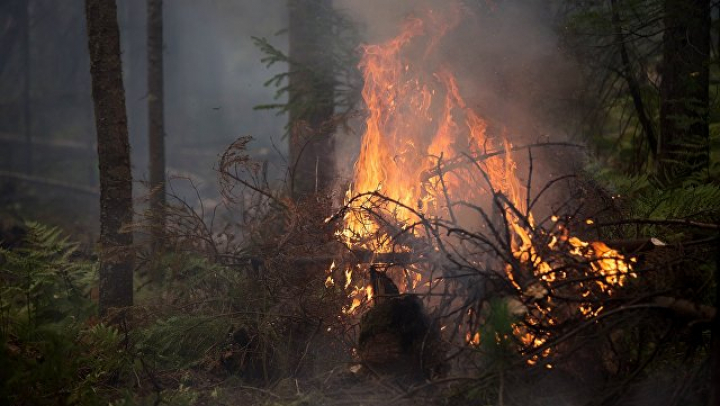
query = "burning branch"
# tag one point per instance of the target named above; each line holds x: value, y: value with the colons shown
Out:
x: 461, y: 162
x: 432, y: 184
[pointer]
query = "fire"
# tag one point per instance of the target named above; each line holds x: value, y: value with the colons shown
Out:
x: 417, y: 122
x: 400, y: 145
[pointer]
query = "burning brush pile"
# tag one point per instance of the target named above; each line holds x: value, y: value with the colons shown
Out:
x: 436, y: 206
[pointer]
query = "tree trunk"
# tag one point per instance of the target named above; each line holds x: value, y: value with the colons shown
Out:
x: 714, y: 396
x: 116, y: 253
x: 24, y: 14
x: 9, y: 31
x: 156, y: 124
x: 683, y: 147
x: 311, y: 107
x: 632, y: 81
x: 311, y: 97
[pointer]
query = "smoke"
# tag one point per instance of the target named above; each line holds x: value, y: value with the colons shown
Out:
x: 510, y: 71
x: 213, y: 80
x: 380, y: 19
x: 509, y: 66
x: 505, y: 53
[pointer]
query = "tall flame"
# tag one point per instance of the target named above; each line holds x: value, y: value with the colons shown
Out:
x: 408, y: 130
x: 417, y: 120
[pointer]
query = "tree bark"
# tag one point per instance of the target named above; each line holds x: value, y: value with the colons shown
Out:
x: 116, y: 253
x: 156, y: 120
x: 9, y: 31
x: 24, y: 16
x: 311, y: 97
x: 683, y: 147
x: 714, y: 396
x: 632, y: 81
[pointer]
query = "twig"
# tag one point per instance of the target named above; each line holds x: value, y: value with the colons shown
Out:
x: 417, y: 389
x: 444, y: 189
x: 529, y: 182
x: 457, y: 163
x: 545, y: 189
x: 662, y: 222
x: 261, y: 390
x: 257, y: 189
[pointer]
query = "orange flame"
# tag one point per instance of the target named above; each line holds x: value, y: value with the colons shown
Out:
x: 417, y: 120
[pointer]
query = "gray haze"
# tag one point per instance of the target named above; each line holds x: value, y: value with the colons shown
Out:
x: 213, y: 79
x: 510, y: 69
x: 505, y: 55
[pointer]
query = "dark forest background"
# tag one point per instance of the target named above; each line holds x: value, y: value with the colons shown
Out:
x: 172, y: 175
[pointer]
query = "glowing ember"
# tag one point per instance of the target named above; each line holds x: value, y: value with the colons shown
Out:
x: 472, y: 339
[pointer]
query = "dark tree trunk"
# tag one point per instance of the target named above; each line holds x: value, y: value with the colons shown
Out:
x: 683, y: 146
x: 116, y: 253
x: 9, y: 30
x: 24, y: 14
x: 628, y: 74
x: 311, y: 107
x: 156, y: 121
x: 397, y: 336
x: 311, y: 97
x: 714, y: 396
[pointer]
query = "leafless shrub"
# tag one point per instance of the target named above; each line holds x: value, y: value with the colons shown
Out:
x: 552, y: 283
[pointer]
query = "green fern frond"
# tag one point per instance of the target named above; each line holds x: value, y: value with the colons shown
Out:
x: 182, y: 340
x: 41, y: 279
x: 701, y: 202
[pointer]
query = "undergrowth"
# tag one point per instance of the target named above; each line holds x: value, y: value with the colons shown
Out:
x: 55, y: 350
x: 641, y: 197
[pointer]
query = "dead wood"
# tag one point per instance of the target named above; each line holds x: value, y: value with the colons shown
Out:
x: 634, y: 246
x: 456, y: 163
x: 397, y: 336
x: 662, y: 222
x: 687, y: 309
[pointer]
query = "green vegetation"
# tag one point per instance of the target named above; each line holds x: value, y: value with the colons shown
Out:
x: 55, y: 351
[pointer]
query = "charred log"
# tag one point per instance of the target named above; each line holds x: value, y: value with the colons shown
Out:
x: 383, y: 286
x: 686, y: 309
x: 245, y: 355
x: 397, y: 336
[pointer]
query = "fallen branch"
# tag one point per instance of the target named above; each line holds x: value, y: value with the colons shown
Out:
x: 361, y: 256
x: 636, y: 245
x: 80, y: 189
x: 458, y: 162
x: 686, y: 309
x: 663, y: 222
